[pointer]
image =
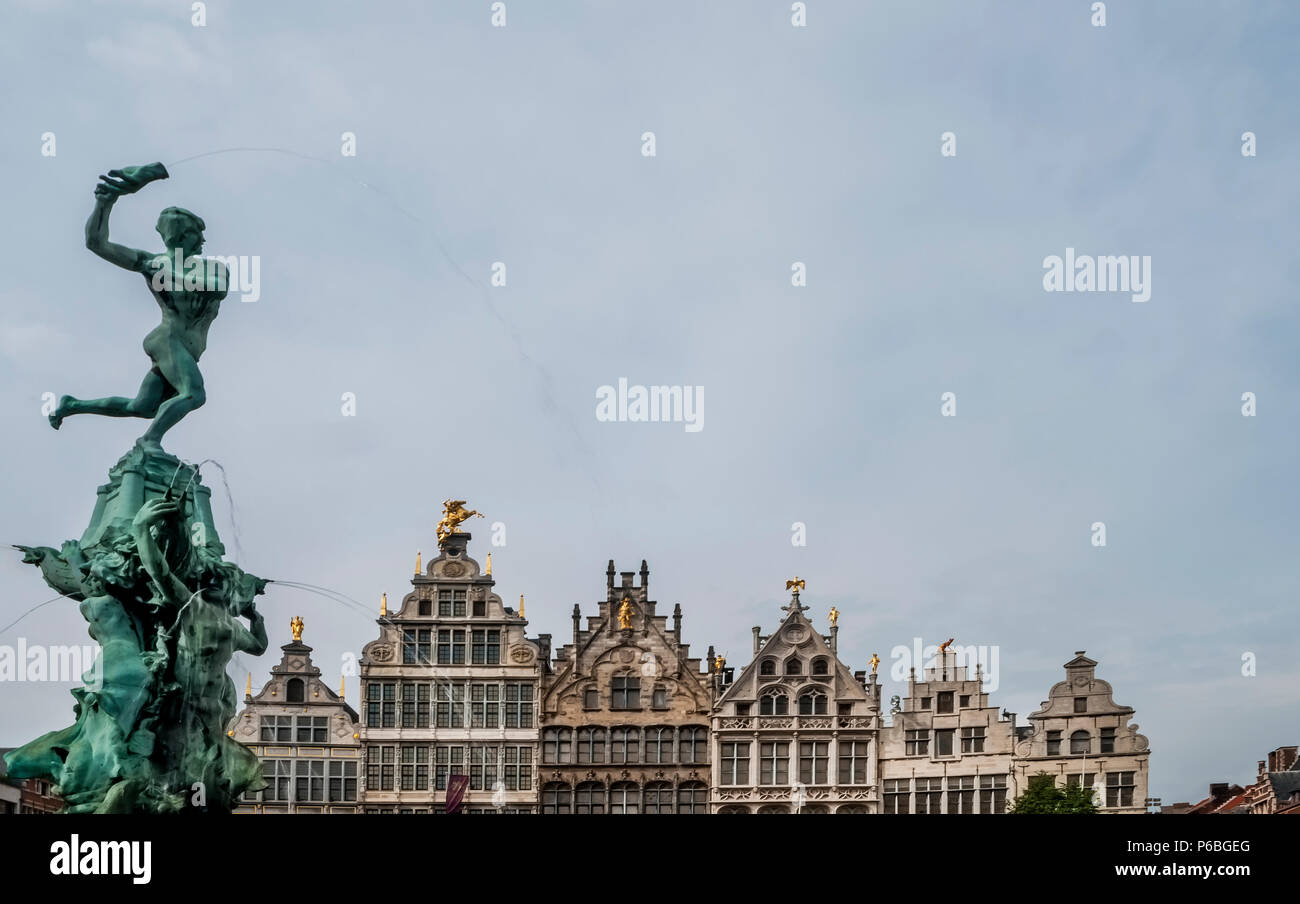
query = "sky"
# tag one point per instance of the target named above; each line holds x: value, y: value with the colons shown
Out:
x: 773, y: 144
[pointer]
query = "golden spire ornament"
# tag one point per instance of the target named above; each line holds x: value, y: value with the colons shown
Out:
x: 248, y: 685
x: 343, y: 687
x: 295, y: 625
x: 489, y: 564
x: 419, y: 561
x: 521, y: 605
x: 383, y: 604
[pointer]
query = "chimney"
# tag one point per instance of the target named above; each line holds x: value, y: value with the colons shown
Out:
x: 577, y: 622
x: 677, y: 621
x: 757, y: 645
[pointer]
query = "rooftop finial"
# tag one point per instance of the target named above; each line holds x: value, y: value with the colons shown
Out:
x: 248, y: 685
x: 383, y: 604
x: 419, y: 561
x: 489, y: 564
x: 295, y: 625
x: 521, y: 605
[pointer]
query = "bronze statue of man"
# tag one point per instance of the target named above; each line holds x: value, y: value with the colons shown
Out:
x: 188, y: 288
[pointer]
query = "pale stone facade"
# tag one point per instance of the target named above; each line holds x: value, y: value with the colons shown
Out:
x: 796, y: 732
x: 450, y: 688
x: 625, y: 712
x: 947, y: 750
x: 307, y: 738
x: 1081, y: 735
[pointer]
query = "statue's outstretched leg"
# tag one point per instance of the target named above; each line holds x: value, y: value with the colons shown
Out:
x: 181, y: 371
x: 145, y: 404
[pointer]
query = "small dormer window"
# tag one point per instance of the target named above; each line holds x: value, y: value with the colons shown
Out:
x: 819, y: 667
x: 426, y: 607
x: 767, y: 667
x: 480, y: 608
x: 295, y: 691
x: 793, y: 667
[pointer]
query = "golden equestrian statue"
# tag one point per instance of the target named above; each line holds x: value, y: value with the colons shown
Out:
x: 625, y: 614
x: 453, y: 514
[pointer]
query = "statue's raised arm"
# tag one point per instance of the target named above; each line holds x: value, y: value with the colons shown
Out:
x: 112, y: 186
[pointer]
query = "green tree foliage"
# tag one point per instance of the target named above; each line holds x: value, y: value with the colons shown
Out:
x: 1043, y: 796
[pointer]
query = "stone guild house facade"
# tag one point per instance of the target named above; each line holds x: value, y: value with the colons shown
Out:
x: 1081, y: 735
x: 625, y: 712
x: 450, y: 689
x: 796, y: 732
x: 947, y: 750
x: 305, y: 735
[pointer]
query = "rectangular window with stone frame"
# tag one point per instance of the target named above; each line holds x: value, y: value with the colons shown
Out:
x: 451, y: 603
x: 735, y: 763
x: 278, y: 775
x: 961, y: 794
x: 485, y: 646
x: 929, y: 795
x: 1108, y: 740
x: 342, y: 781
x: 944, y: 702
x: 277, y: 729
x: 517, y: 768
x: 519, y: 705
x: 311, y: 729
x: 381, y: 762
x: 482, y: 767
x: 591, y: 745
x: 1054, y: 743
x: 557, y: 745
x: 485, y: 705
x: 993, y: 794
x: 774, y: 763
x: 897, y: 795
x: 309, y: 780
x: 853, y: 762
x: 417, y: 646
x: 447, y: 760
x: 943, y: 742
x: 415, y: 705
x: 451, y: 646
x: 450, y: 706
x: 1119, y: 789
x: 917, y: 742
x: 381, y: 704
x: 972, y: 739
x: 692, y: 744
x: 625, y: 692
x: 414, y: 774
x: 813, y: 757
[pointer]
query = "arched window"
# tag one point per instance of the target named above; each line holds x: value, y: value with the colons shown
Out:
x: 851, y: 808
x: 589, y: 798
x: 815, y: 808
x: 693, y: 797
x: 1080, y: 741
x: 658, y: 798
x: 625, y: 746
x: 691, y: 746
x: 767, y: 667
x: 733, y: 811
x: 793, y: 667
x: 294, y: 691
x: 624, y: 797
x: 813, y: 704
x: 557, y: 798
x: 591, y: 745
x: 771, y: 809
x: 557, y: 745
x: 774, y: 704
x: 820, y: 667
x: 658, y: 745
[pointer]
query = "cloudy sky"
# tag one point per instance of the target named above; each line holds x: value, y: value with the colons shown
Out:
x: 774, y: 144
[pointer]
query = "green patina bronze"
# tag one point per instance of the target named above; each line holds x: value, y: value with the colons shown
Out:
x: 150, y: 574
